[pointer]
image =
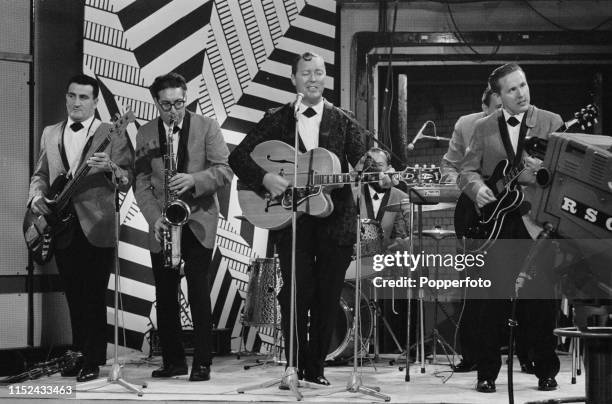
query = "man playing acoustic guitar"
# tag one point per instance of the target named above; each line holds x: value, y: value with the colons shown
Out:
x: 324, y: 245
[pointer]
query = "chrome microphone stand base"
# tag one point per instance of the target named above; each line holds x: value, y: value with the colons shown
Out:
x: 115, y: 377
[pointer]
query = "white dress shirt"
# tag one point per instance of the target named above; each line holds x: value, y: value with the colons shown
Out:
x: 308, y: 128
x: 74, y: 142
x: 376, y: 200
x: 513, y: 131
x: 175, y: 138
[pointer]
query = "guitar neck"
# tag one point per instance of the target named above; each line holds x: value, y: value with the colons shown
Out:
x: 343, y: 178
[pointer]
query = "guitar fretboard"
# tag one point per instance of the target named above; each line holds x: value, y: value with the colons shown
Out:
x: 343, y: 178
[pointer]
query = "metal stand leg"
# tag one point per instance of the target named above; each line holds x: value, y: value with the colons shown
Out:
x: 355, y: 384
x: 115, y: 376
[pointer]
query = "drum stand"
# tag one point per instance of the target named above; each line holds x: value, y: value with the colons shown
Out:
x: 438, y: 234
x: 355, y: 384
x: 378, y: 314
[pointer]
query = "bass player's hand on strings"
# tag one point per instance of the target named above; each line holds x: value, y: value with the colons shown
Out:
x: 40, y: 205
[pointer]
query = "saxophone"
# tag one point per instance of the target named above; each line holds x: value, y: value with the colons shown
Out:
x: 175, y: 212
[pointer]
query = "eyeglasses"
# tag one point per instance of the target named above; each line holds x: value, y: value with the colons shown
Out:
x: 167, y: 106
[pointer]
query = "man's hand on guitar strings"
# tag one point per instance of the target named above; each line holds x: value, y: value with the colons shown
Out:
x: 484, y: 196
x: 40, y: 205
x: 275, y: 184
x: 532, y: 165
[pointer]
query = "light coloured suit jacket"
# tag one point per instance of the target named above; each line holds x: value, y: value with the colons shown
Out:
x: 462, y: 134
x: 486, y: 149
x: 393, y: 223
x: 94, y: 199
x: 207, y: 156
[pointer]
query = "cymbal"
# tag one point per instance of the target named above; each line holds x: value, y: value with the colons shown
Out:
x: 436, y: 233
x: 405, y: 205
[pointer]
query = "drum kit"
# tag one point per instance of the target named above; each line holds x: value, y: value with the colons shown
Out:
x: 261, y: 307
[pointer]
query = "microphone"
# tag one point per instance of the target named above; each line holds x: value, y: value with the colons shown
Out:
x: 298, y: 101
x: 417, y: 137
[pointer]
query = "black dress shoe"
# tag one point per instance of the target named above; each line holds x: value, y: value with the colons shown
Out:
x: 485, y: 386
x: 77, y: 364
x: 464, y: 367
x: 88, y: 373
x: 318, y: 380
x: 170, y: 370
x: 199, y: 374
x: 547, y: 384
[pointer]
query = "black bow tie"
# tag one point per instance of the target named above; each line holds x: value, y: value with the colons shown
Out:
x: 175, y: 129
x: 512, y: 121
x: 375, y: 197
x: 77, y: 126
x: 309, y: 112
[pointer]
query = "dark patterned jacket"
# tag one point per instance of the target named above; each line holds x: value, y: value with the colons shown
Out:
x: 338, y: 133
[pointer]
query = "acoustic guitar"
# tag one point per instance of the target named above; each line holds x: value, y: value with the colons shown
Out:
x: 319, y: 174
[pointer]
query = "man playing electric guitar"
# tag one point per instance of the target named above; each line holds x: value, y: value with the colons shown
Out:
x: 497, y: 137
x: 84, y: 251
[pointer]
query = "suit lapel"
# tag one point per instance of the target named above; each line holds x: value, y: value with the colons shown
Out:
x: 505, y: 136
x: 327, y: 121
x: 61, y: 148
x: 161, y: 131
x: 182, y: 156
x: 384, y: 202
x: 367, y: 199
x: 93, y: 129
x: 521, y: 141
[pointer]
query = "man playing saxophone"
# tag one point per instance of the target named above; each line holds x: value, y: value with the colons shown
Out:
x: 182, y: 177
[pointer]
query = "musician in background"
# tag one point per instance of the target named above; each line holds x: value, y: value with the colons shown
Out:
x: 324, y: 245
x: 84, y: 252
x: 462, y: 134
x: 202, y: 169
x: 450, y: 166
x: 497, y: 137
x: 374, y: 199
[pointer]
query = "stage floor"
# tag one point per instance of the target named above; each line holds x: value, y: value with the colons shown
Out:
x: 228, y: 375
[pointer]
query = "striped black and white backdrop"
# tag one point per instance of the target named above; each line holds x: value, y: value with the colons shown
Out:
x: 235, y: 55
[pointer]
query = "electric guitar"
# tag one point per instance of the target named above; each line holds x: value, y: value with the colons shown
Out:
x: 319, y: 174
x: 39, y: 231
x: 482, y: 226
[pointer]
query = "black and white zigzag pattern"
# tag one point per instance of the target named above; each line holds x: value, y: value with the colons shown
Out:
x: 236, y: 57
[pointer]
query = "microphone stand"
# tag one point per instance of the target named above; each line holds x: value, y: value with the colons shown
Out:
x: 355, y: 384
x: 116, y: 375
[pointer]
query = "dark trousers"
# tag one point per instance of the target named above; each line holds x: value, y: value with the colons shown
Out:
x: 167, y: 282
x: 84, y: 270
x: 320, y: 268
x: 536, y: 317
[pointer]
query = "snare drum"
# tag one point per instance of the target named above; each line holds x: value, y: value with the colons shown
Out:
x: 342, y: 342
x: 261, y: 305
